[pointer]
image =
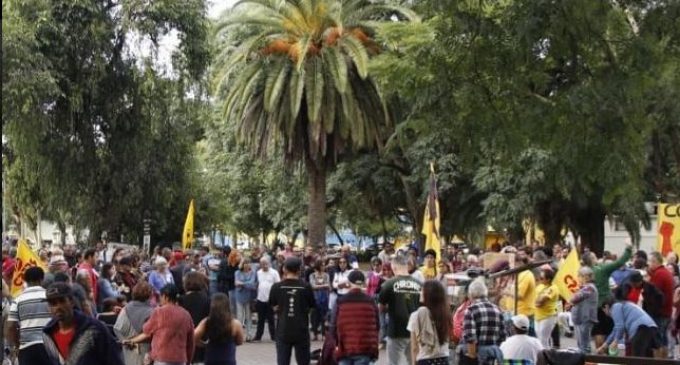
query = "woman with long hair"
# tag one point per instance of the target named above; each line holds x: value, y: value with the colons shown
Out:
x: 219, y: 333
x: 107, y: 288
x: 546, y: 307
x: 429, y: 326
x: 246, y: 288
x: 321, y: 285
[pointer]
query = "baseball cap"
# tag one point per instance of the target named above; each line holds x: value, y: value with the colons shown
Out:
x: 521, y: 321
x: 356, y: 277
x: 58, y: 290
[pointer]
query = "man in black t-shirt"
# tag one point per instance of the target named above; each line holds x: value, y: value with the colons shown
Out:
x: 292, y: 299
x: 399, y: 297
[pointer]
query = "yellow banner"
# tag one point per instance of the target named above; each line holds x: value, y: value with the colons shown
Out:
x: 25, y: 258
x: 566, y: 278
x: 668, y: 237
x: 188, y: 234
x: 431, y: 218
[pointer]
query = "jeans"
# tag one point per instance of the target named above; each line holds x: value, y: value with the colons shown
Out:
x: 355, y: 360
x: 245, y: 317
x: 33, y: 355
x: 318, y: 320
x: 583, y: 336
x: 232, y: 300
x: 213, y: 287
x: 398, y: 351
x: 383, y: 326
x: 265, y: 313
x: 544, y: 329
x: 285, y: 349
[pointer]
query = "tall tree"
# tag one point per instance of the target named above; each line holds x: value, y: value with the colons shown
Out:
x: 100, y: 134
x: 298, y: 80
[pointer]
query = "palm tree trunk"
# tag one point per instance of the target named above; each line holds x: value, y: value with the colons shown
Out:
x: 316, y: 210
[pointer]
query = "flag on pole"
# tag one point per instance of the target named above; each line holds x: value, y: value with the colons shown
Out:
x: 668, y: 234
x: 25, y: 258
x: 431, y: 217
x: 566, y: 278
x: 188, y: 234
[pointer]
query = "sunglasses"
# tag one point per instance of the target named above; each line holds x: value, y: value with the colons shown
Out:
x: 343, y: 262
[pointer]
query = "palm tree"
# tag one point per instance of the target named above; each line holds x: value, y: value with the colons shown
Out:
x: 296, y: 79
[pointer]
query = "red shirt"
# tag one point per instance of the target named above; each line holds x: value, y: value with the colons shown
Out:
x: 634, y: 294
x: 662, y: 279
x: 8, y: 267
x: 63, y: 340
x: 84, y: 266
x: 172, y: 334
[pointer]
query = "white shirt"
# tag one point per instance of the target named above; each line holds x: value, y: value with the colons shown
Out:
x: 521, y: 347
x: 415, y: 326
x: 418, y: 275
x: 340, y: 278
x: 265, y: 280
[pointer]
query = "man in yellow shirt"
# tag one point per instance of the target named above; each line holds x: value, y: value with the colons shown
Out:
x: 429, y: 268
x: 526, y: 293
x: 546, y: 307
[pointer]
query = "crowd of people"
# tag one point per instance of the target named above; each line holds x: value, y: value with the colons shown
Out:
x: 196, y: 306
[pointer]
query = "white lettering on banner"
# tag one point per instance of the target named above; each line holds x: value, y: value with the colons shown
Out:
x: 407, y: 286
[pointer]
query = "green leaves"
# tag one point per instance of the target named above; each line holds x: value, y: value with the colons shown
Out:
x: 314, y: 81
x: 109, y: 139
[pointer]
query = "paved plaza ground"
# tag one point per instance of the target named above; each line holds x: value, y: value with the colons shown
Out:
x: 264, y: 353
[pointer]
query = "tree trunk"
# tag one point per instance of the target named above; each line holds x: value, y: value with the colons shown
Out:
x: 316, y: 210
x: 589, y: 224
x: 337, y: 234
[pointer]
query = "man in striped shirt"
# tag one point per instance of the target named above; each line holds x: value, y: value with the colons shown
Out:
x: 27, y: 317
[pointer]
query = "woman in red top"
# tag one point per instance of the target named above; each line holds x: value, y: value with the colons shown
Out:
x: 171, y: 331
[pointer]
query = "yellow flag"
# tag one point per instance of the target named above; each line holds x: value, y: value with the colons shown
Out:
x: 188, y: 234
x: 25, y: 258
x: 431, y: 219
x: 566, y: 278
x: 668, y: 237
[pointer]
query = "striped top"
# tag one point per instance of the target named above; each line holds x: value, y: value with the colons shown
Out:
x: 31, y: 312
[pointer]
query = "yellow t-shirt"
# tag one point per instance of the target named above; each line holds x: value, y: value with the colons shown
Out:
x: 429, y: 272
x: 549, y: 307
x: 526, y: 297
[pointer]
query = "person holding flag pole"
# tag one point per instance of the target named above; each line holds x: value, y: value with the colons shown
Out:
x: 431, y: 225
x: 188, y: 233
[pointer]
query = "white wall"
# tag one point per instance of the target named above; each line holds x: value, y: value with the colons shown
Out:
x: 615, y: 236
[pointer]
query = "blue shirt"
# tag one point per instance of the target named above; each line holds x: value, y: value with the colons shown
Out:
x: 246, y: 293
x: 620, y: 276
x: 627, y: 317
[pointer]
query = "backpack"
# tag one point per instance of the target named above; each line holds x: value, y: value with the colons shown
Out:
x: 456, y: 328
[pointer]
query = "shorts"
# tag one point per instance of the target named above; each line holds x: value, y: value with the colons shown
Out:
x: 662, y: 330
x: 604, y: 325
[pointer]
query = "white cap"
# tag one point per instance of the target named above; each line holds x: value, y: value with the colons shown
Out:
x: 521, y: 321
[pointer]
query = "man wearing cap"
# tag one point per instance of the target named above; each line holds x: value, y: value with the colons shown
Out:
x: 28, y: 314
x: 73, y: 338
x: 292, y: 299
x: 355, y: 323
x: 177, y: 270
x: 521, y: 346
